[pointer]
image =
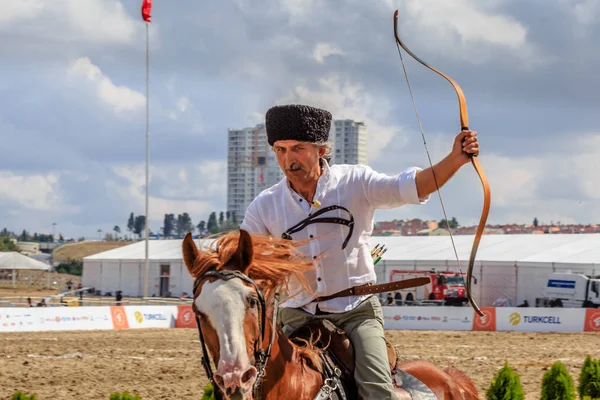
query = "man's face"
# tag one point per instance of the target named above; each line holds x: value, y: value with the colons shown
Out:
x: 298, y: 160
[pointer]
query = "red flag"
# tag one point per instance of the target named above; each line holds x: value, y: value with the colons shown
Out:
x: 146, y: 8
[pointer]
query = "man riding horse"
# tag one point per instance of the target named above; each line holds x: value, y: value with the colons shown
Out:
x: 332, y: 207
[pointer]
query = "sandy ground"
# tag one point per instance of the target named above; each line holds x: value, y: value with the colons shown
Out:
x: 165, y: 363
x: 24, y: 292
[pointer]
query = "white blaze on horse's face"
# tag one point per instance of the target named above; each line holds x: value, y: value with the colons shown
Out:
x: 224, y: 303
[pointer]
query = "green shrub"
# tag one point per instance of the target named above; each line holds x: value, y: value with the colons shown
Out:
x: 22, y: 396
x: 208, y: 392
x: 557, y: 384
x: 506, y: 385
x: 125, y: 396
x: 589, y: 379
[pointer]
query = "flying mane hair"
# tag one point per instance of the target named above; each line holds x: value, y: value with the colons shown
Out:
x: 274, y: 260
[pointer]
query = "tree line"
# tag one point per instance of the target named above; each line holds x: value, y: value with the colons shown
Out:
x: 180, y: 224
x: 25, y: 236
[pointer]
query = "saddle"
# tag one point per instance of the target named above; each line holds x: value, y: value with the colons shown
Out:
x: 339, y: 354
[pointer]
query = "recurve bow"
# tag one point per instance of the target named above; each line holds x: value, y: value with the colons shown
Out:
x: 464, y: 124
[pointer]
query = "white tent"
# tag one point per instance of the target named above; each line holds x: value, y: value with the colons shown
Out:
x: 14, y: 261
x: 123, y: 269
x: 514, y: 267
x: 507, y: 266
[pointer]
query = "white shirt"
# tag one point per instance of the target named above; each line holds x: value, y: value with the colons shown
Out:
x: 359, y: 189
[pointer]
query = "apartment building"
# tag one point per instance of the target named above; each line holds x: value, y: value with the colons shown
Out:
x: 349, y: 139
x: 251, y: 167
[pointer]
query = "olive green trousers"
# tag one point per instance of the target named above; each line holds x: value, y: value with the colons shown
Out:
x: 364, y: 328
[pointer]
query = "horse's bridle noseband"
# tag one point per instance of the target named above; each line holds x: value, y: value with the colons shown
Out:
x: 260, y: 356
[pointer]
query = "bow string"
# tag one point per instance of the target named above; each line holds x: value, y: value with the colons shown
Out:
x: 464, y: 123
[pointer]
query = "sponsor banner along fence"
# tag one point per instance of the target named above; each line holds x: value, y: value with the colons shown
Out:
x: 497, y: 319
x: 17, y: 319
x: 540, y: 319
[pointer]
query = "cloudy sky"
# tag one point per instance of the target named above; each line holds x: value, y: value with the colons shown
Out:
x: 72, y: 118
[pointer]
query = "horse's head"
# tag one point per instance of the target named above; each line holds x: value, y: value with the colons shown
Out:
x: 232, y: 291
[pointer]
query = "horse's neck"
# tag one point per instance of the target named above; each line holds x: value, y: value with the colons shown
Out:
x: 286, y: 373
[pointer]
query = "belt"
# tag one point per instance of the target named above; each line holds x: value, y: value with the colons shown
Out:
x: 369, y: 288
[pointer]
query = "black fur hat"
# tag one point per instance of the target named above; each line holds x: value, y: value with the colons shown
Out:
x: 297, y: 122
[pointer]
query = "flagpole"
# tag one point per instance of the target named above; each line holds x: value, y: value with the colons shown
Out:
x: 147, y: 224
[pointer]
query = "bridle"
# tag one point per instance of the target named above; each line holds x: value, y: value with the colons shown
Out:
x: 260, y: 355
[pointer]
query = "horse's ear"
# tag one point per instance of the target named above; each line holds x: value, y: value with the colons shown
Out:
x: 244, y: 252
x: 190, y: 252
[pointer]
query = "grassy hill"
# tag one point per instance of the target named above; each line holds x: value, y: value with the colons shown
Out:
x: 76, y: 251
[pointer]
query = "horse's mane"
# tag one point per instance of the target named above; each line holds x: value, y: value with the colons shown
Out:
x: 464, y: 381
x: 274, y: 260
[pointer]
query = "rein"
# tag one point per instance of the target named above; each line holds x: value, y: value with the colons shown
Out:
x: 261, y: 356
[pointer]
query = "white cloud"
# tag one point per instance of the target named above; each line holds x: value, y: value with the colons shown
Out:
x: 182, y: 106
x: 350, y: 100
x: 582, y: 165
x: 101, y: 22
x: 465, y: 18
x: 298, y: 9
x: 437, y: 26
x: 514, y: 180
x: 121, y: 98
x: 181, y: 188
x: 257, y: 118
x: 552, y: 186
x: 323, y: 50
x: 587, y: 11
x: 31, y: 192
x: 16, y: 11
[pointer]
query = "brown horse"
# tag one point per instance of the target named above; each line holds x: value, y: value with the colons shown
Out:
x: 236, y: 293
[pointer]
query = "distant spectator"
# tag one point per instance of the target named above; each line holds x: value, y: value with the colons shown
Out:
x: 29, y: 302
x: 390, y: 300
x: 119, y: 297
x: 525, y: 304
x: 42, y: 303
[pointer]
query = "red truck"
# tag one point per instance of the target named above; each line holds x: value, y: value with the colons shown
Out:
x: 445, y: 286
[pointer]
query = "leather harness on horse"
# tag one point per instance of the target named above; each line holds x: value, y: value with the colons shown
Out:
x: 332, y: 382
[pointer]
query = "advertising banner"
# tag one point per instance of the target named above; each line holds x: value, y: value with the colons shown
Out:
x: 428, y: 318
x: 23, y: 319
x: 119, y: 317
x: 540, y: 319
x: 151, y: 316
x: 185, y: 317
x: 592, y: 320
x: 487, y: 323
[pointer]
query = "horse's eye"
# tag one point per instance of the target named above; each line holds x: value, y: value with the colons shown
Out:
x: 252, y: 302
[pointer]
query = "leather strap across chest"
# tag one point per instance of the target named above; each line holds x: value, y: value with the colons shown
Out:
x: 312, y: 219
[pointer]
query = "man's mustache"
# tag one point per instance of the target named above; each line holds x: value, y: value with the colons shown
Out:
x: 293, y: 167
